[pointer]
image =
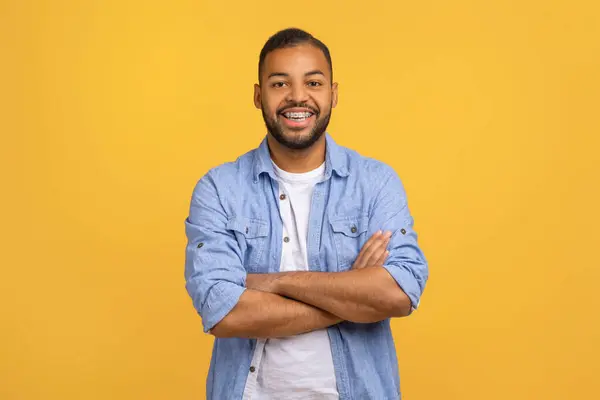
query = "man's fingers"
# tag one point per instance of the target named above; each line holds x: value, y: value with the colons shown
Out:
x: 359, y: 262
x: 376, y: 250
x: 383, y: 257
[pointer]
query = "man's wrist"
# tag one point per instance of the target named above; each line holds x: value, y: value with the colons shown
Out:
x: 277, y: 284
x: 268, y: 282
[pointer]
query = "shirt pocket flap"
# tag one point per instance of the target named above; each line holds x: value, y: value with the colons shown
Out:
x: 350, y: 226
x: 249, y: 227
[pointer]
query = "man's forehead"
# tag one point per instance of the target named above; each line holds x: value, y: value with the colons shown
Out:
x: 296, y: 59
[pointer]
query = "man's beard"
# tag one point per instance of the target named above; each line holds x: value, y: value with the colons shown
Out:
x: 298, y: 143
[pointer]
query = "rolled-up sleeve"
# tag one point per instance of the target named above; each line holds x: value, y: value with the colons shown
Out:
x: 214, y: 273
x: 406, y: 262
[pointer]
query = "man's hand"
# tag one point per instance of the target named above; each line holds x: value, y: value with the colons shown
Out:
x: 374, y: 252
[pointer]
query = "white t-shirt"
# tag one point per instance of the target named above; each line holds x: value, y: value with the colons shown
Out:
x: 297, y: 367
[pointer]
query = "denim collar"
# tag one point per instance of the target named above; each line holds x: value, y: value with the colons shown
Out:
x: 335, y: 160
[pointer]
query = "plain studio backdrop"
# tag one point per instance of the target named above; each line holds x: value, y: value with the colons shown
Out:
x: 110, y: 111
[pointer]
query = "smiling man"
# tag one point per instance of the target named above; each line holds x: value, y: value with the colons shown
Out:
x: 301, y: 250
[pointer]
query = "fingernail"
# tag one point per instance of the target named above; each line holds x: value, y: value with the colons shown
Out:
x: 388, y: 234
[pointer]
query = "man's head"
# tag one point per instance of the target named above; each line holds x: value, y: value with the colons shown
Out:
x: 296, y: 91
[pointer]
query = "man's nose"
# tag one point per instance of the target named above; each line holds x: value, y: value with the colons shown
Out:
x: 298, y: 94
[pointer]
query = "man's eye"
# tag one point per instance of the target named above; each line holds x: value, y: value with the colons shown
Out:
x: 314, y: 83
x: 278, y: 84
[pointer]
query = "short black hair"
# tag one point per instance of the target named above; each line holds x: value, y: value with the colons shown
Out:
x: 291, y: 37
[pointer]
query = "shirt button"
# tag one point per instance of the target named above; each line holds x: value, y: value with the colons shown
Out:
x: 200, y: 245
x: 403, y: 231
x: 286, y: 239
x: 353, y: 229
x: 282, y: 197
x: 252, y: 369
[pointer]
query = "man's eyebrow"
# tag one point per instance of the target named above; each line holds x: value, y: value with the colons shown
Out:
x: 277, y: 74
x: 313, y: 72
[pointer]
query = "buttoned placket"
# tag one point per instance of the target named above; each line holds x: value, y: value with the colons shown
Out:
x: 317, y: 208
x: 283, y: 206
x: 285, y: 210
x: 276, y: 244
x: 251, y: 381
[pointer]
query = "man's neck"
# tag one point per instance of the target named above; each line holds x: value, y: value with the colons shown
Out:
x: 297, y: 161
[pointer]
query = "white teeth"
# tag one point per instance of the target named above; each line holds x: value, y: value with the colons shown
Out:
x: 297, y: 115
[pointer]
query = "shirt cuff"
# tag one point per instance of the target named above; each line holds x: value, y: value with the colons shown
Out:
x: 407, y: 282
x: 220, y: 301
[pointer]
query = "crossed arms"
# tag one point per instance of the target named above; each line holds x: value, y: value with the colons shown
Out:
x: 235, y: 304
x: 290, y: 303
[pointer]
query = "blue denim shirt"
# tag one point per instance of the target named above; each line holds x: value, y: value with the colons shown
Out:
x: 234, y: 228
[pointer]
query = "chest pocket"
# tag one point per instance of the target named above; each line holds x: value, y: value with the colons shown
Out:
x: 252, y: 237
x: 349, y: 235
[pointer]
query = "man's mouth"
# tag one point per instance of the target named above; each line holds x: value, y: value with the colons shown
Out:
x: 297, y: 116
x: 297, y: 119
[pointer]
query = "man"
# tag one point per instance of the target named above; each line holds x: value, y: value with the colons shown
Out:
x: 301, y: 250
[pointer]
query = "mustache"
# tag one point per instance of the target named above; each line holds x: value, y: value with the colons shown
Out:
x: 297, y: 105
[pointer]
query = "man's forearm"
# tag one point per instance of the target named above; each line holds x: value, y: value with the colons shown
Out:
x: 362, y: 295
x: 267, y: 315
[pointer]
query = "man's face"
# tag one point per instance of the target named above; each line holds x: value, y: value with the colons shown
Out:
x: 296, y: 95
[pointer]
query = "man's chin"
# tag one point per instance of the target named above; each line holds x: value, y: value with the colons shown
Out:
x: 298, y: 134
x: 296, y: 139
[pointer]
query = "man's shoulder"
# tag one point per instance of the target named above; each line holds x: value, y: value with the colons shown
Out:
x: 232, y: 170
x: 366, y: 167
x: 228, y: 176
x: 372, y: 176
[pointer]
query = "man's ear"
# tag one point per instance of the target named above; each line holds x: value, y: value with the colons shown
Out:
x: 257, y: 103
x: 334, y: 94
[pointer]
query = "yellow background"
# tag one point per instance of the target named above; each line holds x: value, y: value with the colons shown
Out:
x: 110, y: 111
